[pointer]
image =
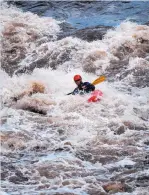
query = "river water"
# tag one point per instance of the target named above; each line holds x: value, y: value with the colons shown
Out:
x: 54, y: 144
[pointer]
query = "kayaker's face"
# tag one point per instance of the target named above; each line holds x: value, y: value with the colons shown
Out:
x: 78, y: 82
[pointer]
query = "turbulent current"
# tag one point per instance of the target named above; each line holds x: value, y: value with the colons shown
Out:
x: 54, y: 144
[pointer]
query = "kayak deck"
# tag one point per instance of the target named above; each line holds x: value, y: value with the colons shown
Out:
x: 95, y: 96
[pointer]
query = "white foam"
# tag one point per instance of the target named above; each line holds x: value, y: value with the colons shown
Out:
x: 43, y: 25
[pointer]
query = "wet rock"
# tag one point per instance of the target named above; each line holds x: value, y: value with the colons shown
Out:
x: 133, y: 126
x: 4, y: 137
x: 3, y: 120
x: 42, y: 193
x: 146, y: 142
x: 66, y: 182
x: 106, y: 159
x: 120, y: 130
x: 7, y: 169
x: 129, y: 166
x: 89, y: 34
x: 36, y: 110
x: 59, y: 149
x: 15, y: 143
x: 39, y: 148
x: 84, y: 156
x: 64, y: 148
x: 146, y: 163
x: 95, y: 189
x: 46, y: 172
x: 114, y: 187
x: 129, y: 124
x: 68, y: 143
x: 73, y: 182
x: 66, y: 28
x: 63, y: 138
x: 18, y: 178
x: 31, y: 100
x: 4, y: 175
x: 143, y: 178
x: 61, y: 131
x: 45, y: 186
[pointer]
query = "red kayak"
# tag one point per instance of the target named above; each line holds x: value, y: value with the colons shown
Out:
x: 95, y: 96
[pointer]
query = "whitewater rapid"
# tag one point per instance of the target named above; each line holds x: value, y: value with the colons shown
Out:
x: 73, y: 147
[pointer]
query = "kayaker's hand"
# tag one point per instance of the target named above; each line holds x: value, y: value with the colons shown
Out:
x: 83, y: 87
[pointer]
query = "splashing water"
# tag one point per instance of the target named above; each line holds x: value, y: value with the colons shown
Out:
x: 58, y: 144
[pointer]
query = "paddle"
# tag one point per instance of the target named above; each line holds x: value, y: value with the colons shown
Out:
x: 69, y: 93
x: 97, y: 81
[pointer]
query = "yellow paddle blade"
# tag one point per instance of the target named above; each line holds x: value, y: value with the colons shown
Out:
x: 99, y: 80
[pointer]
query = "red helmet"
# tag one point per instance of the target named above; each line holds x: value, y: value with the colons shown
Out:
x: 77, y: 77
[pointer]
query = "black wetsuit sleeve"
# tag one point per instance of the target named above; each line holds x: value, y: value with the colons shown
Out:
x: 89, y: 87
x: 92, y: 87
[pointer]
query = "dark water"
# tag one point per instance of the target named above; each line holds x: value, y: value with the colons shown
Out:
x: 85, y: 14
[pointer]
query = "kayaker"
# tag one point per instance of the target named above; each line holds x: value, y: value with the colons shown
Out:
x: 82, y: 87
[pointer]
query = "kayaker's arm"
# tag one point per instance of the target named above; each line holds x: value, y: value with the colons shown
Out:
x: 75, y: 91
x: 88, y: 87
